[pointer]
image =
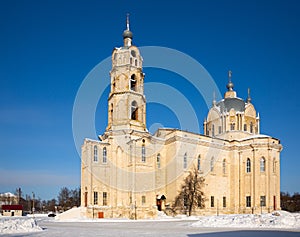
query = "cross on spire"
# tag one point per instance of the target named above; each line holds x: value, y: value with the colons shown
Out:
x: 230, y: 84
x: 127, y: 21
x: 249, y: 97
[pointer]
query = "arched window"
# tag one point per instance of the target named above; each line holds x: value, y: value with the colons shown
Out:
x: 134, y: 110
x: 245, y: 127
x: 213, y: 130
x: 130, y: 60
x: 95, y: 153
x: 251, y: 127
x: 111, y: 111
x: 224, y: 166
x: 199, y: 163
x: 212, y: 164
x: 262, y: 164
x: 143, y: 153
x: 132, y: 83
x: 185, y: 161
x: 143, y: 200
x: 232, y: 126
x: 135, y: 62
x: 104, y: 158
x: 158, y: 160
x: 274, y: 165
x: 248, y: 166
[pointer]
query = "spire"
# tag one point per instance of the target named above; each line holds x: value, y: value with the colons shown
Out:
x: 127, y: 21
x: 127, y: 34
x: 230, y: 93
x: 230, y: 85
x: 214, y: 98
x: 249, y: 97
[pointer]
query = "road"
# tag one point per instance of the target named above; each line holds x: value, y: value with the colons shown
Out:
x: 145, y: 228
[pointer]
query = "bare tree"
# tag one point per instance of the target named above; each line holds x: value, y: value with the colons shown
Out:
x: 191, y: 194
x: 68, y: 198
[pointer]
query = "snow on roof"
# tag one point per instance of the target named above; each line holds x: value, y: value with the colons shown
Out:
x: 8, y: 194
x: 254, y: 136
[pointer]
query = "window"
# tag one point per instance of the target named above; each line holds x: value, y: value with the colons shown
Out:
x: 185, y: 200
x: 132, y: 83
x: 274, y: 165
x: 232, y: 126
x: 185, y: 161
x: 111, y: 111
x: 143, y: 153
x: 224, y: 166
x: 251, y: 127
x: 104, y: 159
x: 248, y: 201
x: 143, y: 200
x: 220, y: 129
x: 199, y: 163
x: 245, y: 127
x: 199, y: 202
x: 95, y: 198
x: 134, y: 110
x: 213, y: 130
x: 133, y: 53
x: 262, y: 164
x: 158, y: 160
x: 262, y: 201
x: 130, y: 60
x: 248, y: 165
x: 95, y: 153
x: 135, y: 62
x: 104, y: 198
x: 224, y: 201
x: 212, y: 201
x: 212, y: 164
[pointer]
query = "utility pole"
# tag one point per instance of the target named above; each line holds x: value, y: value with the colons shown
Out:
x: 33, y: 209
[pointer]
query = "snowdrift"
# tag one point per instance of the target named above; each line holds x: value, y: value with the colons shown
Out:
x: 76, y: 213
x: 278, y: 219
x: 9, y: 225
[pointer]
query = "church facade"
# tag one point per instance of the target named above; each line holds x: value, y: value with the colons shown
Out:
x: 131, y: 173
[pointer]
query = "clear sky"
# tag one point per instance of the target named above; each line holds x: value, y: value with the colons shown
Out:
x: 48, y: 47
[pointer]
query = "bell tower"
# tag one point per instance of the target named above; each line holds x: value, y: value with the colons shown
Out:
x: 126, y: 101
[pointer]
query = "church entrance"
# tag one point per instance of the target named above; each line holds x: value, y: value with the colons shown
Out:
x: 160, y: 201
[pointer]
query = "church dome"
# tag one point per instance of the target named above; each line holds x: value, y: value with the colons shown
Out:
x: 236, y: 103
x: 127, y: 34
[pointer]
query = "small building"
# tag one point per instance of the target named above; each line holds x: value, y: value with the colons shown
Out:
x: 12, y: 210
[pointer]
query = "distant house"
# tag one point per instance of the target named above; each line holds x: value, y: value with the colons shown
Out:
x: 12, y: 210
x: 8, y: 199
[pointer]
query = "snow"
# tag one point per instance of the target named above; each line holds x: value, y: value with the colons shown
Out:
x: 8, y: 194
x: 277, y: 219
x: 73, y: 223
x: 74, y: 214
x: 9, y: 225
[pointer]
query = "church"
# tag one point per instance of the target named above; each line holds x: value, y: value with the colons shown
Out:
x: 130, y: 173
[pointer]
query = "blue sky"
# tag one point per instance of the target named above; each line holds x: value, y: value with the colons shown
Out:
x: 48, y: 47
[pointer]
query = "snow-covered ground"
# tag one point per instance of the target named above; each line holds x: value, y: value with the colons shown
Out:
x: 278, y: 219
x: 278, y: 224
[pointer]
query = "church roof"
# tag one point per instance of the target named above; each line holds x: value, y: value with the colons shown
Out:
x: 227, y: 104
